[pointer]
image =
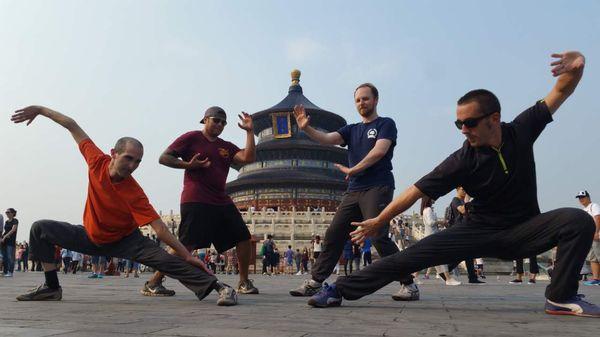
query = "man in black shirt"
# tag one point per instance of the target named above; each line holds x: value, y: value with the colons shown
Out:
x: 457, y: 206
x: 496, y: 167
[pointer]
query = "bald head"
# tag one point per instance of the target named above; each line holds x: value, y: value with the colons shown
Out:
x: 123, y: 141
x: 125, y: 158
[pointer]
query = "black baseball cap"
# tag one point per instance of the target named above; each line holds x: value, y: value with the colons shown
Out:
x: 582, y: 194
x: 214, y: 111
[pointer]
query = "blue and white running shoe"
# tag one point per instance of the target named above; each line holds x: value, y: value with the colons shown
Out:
x: 592, y: 283
x: 329, y: 296
x: 576, y: 306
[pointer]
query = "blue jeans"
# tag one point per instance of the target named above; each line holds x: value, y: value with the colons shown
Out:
x: 8, y: 258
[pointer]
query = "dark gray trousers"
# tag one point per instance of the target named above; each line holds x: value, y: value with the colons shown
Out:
x: 355, y: 206
x: 570, y: 229
x: 47, y: 233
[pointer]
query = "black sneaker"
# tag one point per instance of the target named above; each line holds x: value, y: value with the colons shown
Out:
x: 531, y: 281
x: 157, y: 290
x: 42, y: 293
x: 246, y: 287
x: 516, y: 281
x: 476, y: 282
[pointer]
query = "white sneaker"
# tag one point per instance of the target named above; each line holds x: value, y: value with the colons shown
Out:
x: 8, y: 274
x: 407, y: 293
x: 299, y: 273
x: 308, y: 288
x: 227, y: 296
x: 453, y: 282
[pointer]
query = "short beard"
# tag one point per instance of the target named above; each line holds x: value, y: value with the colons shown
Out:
x: 214, y: 132
x: 368, y: 113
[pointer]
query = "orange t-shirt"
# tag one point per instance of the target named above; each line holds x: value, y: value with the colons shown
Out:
x: 112, y: 210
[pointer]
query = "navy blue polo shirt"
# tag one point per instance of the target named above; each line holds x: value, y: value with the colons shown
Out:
x: 360, y: 139
x: 502, y: 183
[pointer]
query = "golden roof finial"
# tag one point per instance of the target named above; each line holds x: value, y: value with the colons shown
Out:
x: 296, y: 76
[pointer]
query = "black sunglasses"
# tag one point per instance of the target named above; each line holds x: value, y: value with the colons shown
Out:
x: 469, y: 122
x: 218, y: 120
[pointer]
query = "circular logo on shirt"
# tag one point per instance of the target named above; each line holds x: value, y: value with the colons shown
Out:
x: 223, y: 152
x: 372, y: 133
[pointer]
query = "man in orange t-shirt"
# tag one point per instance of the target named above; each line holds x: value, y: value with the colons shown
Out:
x: 115, y: 207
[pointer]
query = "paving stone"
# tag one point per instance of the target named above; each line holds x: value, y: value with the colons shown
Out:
x: 113, y: 306
x: 10, y: 331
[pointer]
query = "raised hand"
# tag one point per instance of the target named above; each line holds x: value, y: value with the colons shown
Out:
x: 27, y: 114
x: 365, y: 229
x: 567, y: 62
x: 302, y: 119
x: 246, y: 122
x: 196, y: 163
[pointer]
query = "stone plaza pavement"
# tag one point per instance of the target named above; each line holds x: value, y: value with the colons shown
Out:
x: 113, y: 306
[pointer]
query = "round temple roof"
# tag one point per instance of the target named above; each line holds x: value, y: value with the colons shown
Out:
x: 319, y: 117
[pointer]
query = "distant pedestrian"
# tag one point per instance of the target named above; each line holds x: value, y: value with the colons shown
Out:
x: 593, y: 257
x: 289, y: 260
x: 348, y: 255
x: 8, y: 242
x: 533, y: 271
x: 305, y: 259
x: 366, y: 252
x: 298, y: 261
x: 77, y: 258
x: 67, y: 257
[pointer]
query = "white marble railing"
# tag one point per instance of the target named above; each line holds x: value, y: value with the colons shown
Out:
x: 286, y: 214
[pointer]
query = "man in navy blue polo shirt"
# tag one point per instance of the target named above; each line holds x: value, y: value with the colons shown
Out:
x: 496, y: 167
x: 371, y: 186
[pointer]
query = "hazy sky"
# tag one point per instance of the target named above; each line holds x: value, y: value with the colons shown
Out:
x: 149, y: 69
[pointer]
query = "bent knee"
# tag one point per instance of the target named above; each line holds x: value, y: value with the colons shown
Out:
x: 38, y: 226
x: 579, y: 220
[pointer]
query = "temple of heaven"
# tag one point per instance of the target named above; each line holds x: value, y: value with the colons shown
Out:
x: 291, y: 171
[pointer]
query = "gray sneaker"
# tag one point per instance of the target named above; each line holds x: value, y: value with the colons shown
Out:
x: 246, y: 287
x: 308, y: 288
x: 227, y: 296
x: 42, y: 293
x: 407, y: 293
x: 156, y: 290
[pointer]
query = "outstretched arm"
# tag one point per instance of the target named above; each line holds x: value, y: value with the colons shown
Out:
x: 569, y: 69
x: 29, y: 113
x: 371, y: 227
x: 163, y: 234
x: 302, y: 119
